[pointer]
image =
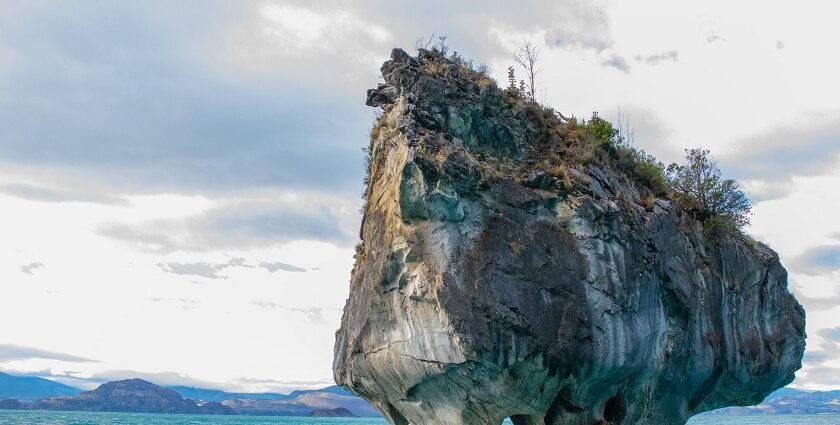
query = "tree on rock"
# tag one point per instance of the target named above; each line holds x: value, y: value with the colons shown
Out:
x: 527, y: 56
x: 720, y: 204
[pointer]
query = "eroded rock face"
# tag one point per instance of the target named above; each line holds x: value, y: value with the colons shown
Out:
x: 488, y: 288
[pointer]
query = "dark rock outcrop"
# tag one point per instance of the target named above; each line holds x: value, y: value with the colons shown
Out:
x: 487, y: 286
x: 338, y: 412
x: 11, y: 404
x: 131, y: 395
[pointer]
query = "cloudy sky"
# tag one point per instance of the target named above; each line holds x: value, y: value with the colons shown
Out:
x: 179, y: 185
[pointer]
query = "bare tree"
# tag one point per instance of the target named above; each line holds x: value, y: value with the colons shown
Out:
x: 698, y: 180
x: 422, y: 43
x: 435, y: 43
x: 527, y: 56
x: 441, y: 45
x: 626, y: 130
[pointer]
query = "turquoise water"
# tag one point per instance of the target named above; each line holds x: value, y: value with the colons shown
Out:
x: 86, y: 418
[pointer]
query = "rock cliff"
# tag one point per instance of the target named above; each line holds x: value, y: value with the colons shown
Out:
x: 501, y: 277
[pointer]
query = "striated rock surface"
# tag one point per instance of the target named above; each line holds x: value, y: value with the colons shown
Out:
x: 491, y: 285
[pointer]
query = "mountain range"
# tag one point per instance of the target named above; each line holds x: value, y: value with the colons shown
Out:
x: 788, y: 401
x: 130, y: 395
x: 137, y: 395
x: 204, y: 394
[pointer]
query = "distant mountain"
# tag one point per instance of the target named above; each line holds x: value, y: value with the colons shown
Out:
x: 789, y: 401
x: 137, y: 395
x: 297, y: 403
x: 131, y: 395
x: 202, y: 394
x: 335, y: 389
x: 28, y: 388
x: 304, y: 404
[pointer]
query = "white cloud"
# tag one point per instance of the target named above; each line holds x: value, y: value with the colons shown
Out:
x: 297, y: 29
x: 31, y: 268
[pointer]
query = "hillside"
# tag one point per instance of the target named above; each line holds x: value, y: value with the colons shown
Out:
x: 303, y: 404
x: 203, y: 394
x: 206, y: 395
x: 30, y: 388
x: 131, y: 395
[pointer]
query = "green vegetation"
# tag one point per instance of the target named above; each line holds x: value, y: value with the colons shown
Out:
x: 698, y: 186
x: 559, y: 144
x: 611, y: 144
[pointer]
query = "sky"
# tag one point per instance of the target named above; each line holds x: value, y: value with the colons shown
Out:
x: 180, y: 183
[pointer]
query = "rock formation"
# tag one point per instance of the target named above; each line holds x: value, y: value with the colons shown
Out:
x: 500, y: 277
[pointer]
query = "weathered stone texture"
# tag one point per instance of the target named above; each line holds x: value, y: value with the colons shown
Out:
x: 485, y: 291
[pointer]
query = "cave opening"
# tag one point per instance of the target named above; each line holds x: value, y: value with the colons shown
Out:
x: 524, y: 420
x: 614, y: 410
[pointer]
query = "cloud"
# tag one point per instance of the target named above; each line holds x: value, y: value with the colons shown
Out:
x: 180, y: 300
x: 580, y: 26
x: 819, y: 368
x: 822, y: 303
x: 818, y: 260
x: 714, y: 38
x: 297, y: 384
x: 278, y: 386
x: 166, y: 379
x: 17, y: 352
x: 656, y: 59
x: 185, y: 303
x: 212, y: 270
x: 31, y: 268
x: 187, y: 125
x: 351, y: 34
x: 277, y: 266
x: 204, y: 98
x: 815, y: 357
x: 766, y: 161
x: 650, y: 132
x: 44, y: 194
x: 830, y: 337
x: 766, y: 190
x: 247, y: 221
x: 617, y: 62
x: 825, y: 375
x: 314, y: 315
x: 201, y: 269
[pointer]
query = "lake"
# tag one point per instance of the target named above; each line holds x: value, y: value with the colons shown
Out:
x: 9, y: 417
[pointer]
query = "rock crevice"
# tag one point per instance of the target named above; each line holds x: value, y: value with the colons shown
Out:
x: 489, y: 285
